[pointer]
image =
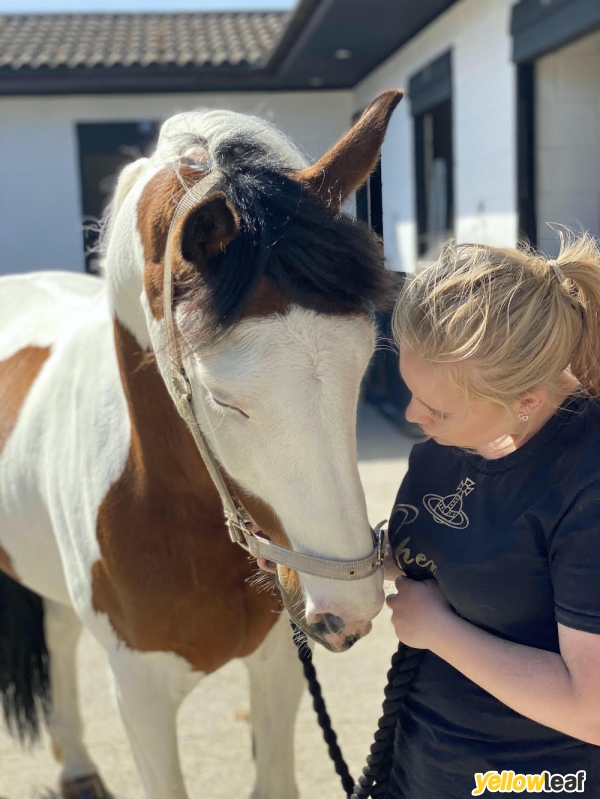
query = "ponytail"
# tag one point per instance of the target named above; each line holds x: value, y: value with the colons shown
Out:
x: 579, y: 260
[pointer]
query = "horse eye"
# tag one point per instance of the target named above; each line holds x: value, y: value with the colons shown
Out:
x: 230, y: 407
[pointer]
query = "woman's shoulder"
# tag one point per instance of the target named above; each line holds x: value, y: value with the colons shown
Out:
x: 579, y: 428
x: 575, y: 451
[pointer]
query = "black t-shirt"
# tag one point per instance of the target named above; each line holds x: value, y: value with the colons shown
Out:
x: 514, y: 545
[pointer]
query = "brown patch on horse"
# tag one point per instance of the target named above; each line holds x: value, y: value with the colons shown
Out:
x: 155, y: 209
x: 267, y: 300
x: 57, y: 753
x: 350, y: 162
x: 199, y: 236
x: 264, y: 516
x: 291, y: 591
x: 169, y: 577
x: 289, y: 581
x: 17, y: 375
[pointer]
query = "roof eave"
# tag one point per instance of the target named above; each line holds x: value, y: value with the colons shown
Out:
x: 118, y: 80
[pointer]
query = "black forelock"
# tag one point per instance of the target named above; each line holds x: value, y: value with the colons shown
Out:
x: 316, y: 257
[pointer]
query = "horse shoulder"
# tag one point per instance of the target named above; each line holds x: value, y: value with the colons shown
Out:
x: 168, y: 576
x: 170, y: 580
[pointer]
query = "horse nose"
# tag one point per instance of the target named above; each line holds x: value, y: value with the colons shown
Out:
x: 327, y: 624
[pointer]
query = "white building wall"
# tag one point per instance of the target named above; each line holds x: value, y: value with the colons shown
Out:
x: 40, y: 205
x: 567, y: 93
x: 484, y: 128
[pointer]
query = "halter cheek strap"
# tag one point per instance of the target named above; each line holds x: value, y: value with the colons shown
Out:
x: 236, y: 517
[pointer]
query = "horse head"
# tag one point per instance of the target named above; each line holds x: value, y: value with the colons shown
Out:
x: 273, y: 293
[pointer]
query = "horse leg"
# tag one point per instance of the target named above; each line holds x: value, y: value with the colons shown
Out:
x: 79, y: 776
x: 150, y: 687
x: 276, y: 685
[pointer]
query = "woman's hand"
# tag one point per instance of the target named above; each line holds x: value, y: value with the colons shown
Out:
x: 419, y: 612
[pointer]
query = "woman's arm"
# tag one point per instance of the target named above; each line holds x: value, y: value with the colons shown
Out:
x: 558, y: 691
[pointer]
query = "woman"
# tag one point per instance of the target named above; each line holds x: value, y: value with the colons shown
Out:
x: 498, y: 522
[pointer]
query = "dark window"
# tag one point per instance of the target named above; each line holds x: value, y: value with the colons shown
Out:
x: 369, y: 201
x: 430, y: 92
x: 434, y: 178
x: 526, y: 153
x: 104, y: 149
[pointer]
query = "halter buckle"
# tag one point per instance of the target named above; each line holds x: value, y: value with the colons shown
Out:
x: 379, y: 540
x: 236, y: 524
x: 181, y: 385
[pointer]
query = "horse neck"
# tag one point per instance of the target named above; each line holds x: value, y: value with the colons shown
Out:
x: 125, y: 286
x: 164, y: 454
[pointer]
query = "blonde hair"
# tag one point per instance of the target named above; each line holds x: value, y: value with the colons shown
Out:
x: 510, y: 321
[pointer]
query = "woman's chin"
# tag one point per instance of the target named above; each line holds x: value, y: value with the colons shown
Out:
x: 443, y: 442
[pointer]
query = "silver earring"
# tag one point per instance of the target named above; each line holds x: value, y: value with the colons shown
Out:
x: 523, y: 417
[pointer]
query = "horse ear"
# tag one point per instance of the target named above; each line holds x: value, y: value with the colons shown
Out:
x: 207, y: 229
x: 350, y: 162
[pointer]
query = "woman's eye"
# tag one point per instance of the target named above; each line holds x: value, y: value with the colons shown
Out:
x: 437, y: 415
x: 230, y: 407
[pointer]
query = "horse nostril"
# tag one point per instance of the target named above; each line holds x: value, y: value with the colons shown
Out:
x: 333, y: 624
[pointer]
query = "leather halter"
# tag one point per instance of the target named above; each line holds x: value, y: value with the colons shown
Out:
x: 237, y: 518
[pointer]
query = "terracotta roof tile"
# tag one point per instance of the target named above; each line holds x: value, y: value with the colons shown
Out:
x: 209, y: 40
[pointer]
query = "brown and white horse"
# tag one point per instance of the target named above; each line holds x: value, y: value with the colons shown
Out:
x: 107, y: 511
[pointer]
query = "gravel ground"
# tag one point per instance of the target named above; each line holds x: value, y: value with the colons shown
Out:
x: 214, y: 734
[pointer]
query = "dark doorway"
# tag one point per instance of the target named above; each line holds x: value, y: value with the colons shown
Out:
x: 369, y: 201
x: 382, y: 386
x: 526, y: 153
x: 434, y: 179
x: 104, y: 149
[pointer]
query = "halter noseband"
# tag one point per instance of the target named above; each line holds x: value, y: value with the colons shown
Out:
x: 236, y: 517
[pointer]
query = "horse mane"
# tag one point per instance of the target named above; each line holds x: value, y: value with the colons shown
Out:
x: 314, y: 256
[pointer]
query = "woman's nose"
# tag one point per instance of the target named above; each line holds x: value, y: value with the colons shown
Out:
x: 412, y: 413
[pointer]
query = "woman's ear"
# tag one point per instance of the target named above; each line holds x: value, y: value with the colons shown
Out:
x: 530, y: 404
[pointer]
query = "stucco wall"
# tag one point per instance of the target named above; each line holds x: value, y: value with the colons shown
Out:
x: 40, y: 206
x: 483, y: 128
x: 568, y: 140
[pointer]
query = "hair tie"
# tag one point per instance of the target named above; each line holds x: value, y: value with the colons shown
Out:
x: 560, y: 275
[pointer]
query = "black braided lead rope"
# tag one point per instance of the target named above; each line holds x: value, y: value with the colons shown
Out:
x: 314, y: 687
x: 375, y: 776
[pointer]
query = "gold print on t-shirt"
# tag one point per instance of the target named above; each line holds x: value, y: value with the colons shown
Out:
x: 448, y: 510
x: 404, y: 514
x: 403, y: 555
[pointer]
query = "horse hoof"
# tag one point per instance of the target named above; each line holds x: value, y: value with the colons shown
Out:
x: 90, y: 787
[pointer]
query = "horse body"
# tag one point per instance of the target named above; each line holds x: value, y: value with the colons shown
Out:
x: 52, y: 323
x: 152, y: 541
x: 106, y: 507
